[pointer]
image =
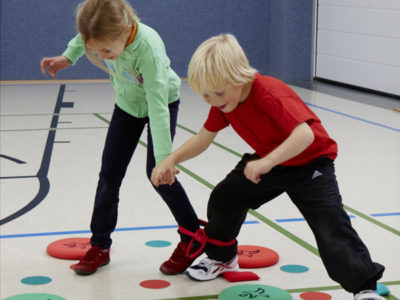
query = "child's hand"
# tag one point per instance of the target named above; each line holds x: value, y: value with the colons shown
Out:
x: 54, y: 64
x: 164, y: 174
x: 255, y: 168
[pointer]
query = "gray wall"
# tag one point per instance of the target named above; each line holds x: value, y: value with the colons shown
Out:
x: 276, y: 34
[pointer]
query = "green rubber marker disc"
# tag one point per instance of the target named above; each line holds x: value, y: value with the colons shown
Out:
x: 254, y: 291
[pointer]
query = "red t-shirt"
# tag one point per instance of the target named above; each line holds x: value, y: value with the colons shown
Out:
x: 268, y: 116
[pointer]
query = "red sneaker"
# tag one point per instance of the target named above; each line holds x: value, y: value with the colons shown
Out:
x: 95, y: 257
x: 178, y: 262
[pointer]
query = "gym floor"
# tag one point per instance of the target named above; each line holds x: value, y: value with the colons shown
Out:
x: 52, y: 136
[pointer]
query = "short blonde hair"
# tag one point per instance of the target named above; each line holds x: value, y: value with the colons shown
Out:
x: 103, y: 20
x: 217, y: 62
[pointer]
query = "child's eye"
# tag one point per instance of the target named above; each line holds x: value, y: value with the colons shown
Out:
x: 219, y: 93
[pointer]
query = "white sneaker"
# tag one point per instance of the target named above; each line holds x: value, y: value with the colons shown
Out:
x: 367, y: 295
x: 209, y: 268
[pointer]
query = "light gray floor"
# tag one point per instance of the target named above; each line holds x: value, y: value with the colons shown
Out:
x: 40, y: 140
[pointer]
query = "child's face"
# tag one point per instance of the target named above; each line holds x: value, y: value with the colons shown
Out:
x: 226, y: 99
x: 109, y: 49
x: 106, y: 50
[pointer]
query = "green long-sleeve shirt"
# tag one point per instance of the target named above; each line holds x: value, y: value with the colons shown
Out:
x: 143, y: 81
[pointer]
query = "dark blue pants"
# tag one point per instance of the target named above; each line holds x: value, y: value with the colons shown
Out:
x: 122, y: 138
x: 316, y: 195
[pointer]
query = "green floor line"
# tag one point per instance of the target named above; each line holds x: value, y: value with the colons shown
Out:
x: 286, y: 233
x: 101, y: 118
x: 195, y: 176
x: 372, y: 220
x: 180, y: 167
x: 215, y: 143
x: 186, y: 129
x: 292, y: 291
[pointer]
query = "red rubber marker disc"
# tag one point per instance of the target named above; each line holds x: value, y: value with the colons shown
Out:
x: 71, y: 248
x: 315, y: 296
x: 155, y: 284
x: 256, y: 256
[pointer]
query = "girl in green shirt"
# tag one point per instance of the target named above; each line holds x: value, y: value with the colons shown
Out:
x: 147, y: 92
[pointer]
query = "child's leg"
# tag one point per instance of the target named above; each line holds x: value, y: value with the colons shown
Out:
x: 226, y: 212
x: 344, y: 255
x: 228, y: 206
x: 179, y: 204
x: 122, y: 137
x: 174, y: 196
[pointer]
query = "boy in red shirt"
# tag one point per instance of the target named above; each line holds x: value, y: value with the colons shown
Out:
x: 293, y: 154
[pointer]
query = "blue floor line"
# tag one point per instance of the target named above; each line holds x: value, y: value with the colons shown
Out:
x: 353, y: 117
x: 298, y: 219
x: 386, y: 214
x: 9, y: 236
x: 290, y: 220
x: 351, y: 216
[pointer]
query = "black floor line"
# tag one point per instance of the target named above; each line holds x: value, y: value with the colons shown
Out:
x: 44, y: 183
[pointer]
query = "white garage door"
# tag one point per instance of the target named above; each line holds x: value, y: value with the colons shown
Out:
x: 358, y: 43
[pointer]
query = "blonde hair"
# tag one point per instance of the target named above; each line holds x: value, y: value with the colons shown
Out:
x: 103, y: 20
x: 217, y: 62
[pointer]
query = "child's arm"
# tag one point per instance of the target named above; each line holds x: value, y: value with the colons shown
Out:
x: 57, y: 63
x: 54, y: 64
x: 299, y: 140
x: 164, y: 172
x: 75, y: 49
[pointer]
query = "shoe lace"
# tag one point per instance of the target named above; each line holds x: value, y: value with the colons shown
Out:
x: 205, y: 264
